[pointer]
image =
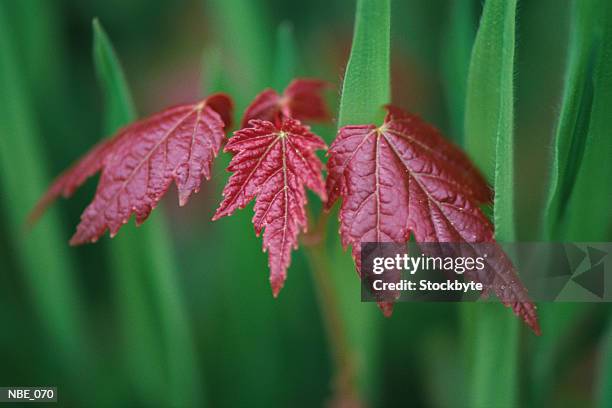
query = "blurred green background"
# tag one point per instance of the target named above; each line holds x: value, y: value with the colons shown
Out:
x: 179, y: 312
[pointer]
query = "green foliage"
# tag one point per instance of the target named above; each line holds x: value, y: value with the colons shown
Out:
x: 490, y: 108
x: 118, y: 103
x: 604, y: 399
x: 246, y: 48
x: 109, y: 321
x: 489, y: 140
x: 553, y: 355
x: 580, y: 192
x: 367, y: 85
x: 495, y: 364
x: 286, y: 56
x: 212, y: 71
x: 41, y: 252
x: 365, y: 90
x: 245, y: 38
x: 574, y: 116
x: 579, y: 182
x: 146, y: 256
x: 457, y: 48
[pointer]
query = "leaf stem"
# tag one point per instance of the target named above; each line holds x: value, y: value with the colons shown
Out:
x: 345, y: 381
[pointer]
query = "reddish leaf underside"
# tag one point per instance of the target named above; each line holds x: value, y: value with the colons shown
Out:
x: 273, y: 163
x: 141, y: 161
x: 301, y: 100
x: 403, y: 178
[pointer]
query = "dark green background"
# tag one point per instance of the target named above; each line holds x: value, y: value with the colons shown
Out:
x: 246, y: 348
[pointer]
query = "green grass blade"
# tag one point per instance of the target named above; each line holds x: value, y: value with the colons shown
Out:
x: 365, y: 90
x: 212, y: 79
x: 503, y: 205
x: 145, y: 255
x: 570, y: 214
x: 184, y: 378
x: 367, y: 85
x: 574, y: 117
x: 141, y: 351
x: 489, y: 139
x: 495, y: 364
x: 50, y: 76
x: 588, y: 216
x: 551, y: 353
x: 118, y: 103
x: 42, y: 252
x: 457, y: 50
x: 598, y: 147
x: 604, y: 399
x: 489, y: 108
x: 459, y: 40
x: 286, y: 56
x: 245, y: 40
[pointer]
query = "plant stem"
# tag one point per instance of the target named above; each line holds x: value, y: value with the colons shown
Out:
x: 345, y: 382
x: 345, y: 376
x: 366, y: 88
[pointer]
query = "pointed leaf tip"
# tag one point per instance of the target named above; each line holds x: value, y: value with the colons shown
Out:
x: 404, y: 178
x: 273, y: 163
x: 386, y: 308
x: 276, y: 283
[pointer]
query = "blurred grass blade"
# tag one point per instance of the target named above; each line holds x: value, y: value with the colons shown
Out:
x: 554, y: 355
x: 146, y: 256
x: 247, y: 49
x: 459, y: 40
x: 367, y: 87
x: 286, y: 56
x: 573, y: 137
x: 604, y: 399
x: 44, y: 54
x: 574, y: 117
x: 489, y: 134
x: 212, y: 79
x: 583, y: 174
x: 141, y: 351
x: 118, y: 103
x: 495, y: 365
x: 42, y: 252
x: 245, y: 41
x: 457, y: 50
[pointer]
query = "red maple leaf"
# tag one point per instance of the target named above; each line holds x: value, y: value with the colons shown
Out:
x: 274, y: 162
x: 403, y: 178
x: 301, y: 100
x: 140, y: 162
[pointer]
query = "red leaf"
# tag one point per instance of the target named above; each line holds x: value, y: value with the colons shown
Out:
x: 274, y: 163
x: 403, y: 178
x: 140, y: 162
x: 301, y: 100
